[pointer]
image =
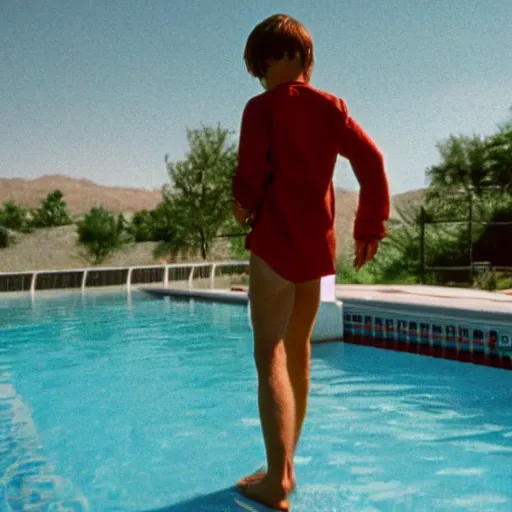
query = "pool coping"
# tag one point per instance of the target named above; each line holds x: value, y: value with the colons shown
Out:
x: 215, y: 295
x: 470, y: 303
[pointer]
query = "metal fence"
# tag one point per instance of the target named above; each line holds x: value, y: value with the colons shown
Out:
x: 483, y: 272
x: 183, y: 275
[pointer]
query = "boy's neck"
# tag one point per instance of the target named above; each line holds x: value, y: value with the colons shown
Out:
x: 284, y: 80
x: 283, y: 72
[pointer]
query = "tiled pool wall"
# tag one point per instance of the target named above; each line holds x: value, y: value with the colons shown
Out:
x: 461, y: 339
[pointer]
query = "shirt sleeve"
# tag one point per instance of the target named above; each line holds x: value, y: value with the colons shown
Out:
x: 253, y: 169
x: 367, y: 163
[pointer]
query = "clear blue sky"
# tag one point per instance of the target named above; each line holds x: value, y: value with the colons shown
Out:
x: 104, y: 89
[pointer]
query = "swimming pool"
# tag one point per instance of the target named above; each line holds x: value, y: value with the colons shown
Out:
x: 110, y: 404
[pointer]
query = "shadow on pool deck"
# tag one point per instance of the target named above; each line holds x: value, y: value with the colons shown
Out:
x: 219, y: 501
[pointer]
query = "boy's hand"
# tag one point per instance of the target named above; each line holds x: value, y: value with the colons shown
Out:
x: 244, y: 217
x: 365, y: 252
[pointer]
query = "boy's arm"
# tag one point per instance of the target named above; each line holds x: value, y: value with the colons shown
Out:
x: 253, y: 168
x: 367, y: 163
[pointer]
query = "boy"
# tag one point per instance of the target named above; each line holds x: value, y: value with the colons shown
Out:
x: 290, y: 138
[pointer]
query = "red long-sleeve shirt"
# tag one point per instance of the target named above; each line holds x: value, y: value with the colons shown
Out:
x: 290, y: 139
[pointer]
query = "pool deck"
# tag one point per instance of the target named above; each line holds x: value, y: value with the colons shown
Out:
x: 419, y: 296
x: 456, y: 301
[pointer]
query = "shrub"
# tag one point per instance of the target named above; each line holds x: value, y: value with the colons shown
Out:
x: 102, y: 233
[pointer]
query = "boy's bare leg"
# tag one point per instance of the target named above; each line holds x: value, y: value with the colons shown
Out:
x: 298, y: 354
x: 272, y: 299
x: 298, y: 347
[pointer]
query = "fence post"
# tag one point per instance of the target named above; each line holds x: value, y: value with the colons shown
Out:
x: 166, y: 276
x: 470, y: 235
x: 191, y: 277
x: 33, y: 283
x: 212, y: 275
x: 422, y: 244
x: 84, y: 280
x: 129, y: 279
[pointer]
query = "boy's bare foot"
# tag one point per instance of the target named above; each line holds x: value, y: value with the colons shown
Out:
x: 256, y: 477
x: 267, y: 493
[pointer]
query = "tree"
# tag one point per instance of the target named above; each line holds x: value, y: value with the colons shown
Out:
x: 163, y: 223
x: 464, y: 164
x: 102, y: 233
x: 474, y: 166
x: 154, y: 225
x: 53, y: 212
x: 141, y: 226
x: 499, y: 153
x: 198, y: 199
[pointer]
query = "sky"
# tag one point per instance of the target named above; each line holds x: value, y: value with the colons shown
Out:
x: 104, y: 90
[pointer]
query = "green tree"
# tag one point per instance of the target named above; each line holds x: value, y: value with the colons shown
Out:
x: 198, y: 198
x: 173, y: 229
x: 471, y: 167
x: 102, y: 233
x: 499, y: 151
x: 141, y: 226
x: 463, y: 174
x: 53, y: 212
x: 156, y: 225
x: 464, y: 164
x: 162, y: 223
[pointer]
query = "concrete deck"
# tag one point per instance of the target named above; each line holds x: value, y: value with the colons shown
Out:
x: 428, y: 296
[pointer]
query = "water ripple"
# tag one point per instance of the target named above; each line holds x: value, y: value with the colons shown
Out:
x: 28, y: 480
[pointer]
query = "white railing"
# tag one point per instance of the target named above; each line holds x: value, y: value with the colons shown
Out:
x: 191, y: 267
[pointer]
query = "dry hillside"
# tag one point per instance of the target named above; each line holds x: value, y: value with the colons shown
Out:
x: 57, y: 248
x: 80, y: 195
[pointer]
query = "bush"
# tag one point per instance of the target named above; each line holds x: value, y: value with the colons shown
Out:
x: 347, y: 274
x: 504, y: 281
x: 237, y: 248
x: 15, y: 217
x: 485, y: 279
x: 102, y: 233
x: 53, y: 212
x: 4, y: 237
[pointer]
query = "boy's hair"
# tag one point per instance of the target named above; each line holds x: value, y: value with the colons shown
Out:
x: 274, y: 38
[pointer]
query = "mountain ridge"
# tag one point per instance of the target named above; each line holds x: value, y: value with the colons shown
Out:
x: 81, y: 194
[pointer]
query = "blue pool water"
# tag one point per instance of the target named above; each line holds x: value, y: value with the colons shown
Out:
x: 109, y: 404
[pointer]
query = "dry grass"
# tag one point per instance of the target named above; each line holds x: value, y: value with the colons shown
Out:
x: 57, y: 248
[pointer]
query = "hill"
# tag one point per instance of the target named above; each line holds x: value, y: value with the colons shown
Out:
x: 80, y: 195
x: 56, y: 248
